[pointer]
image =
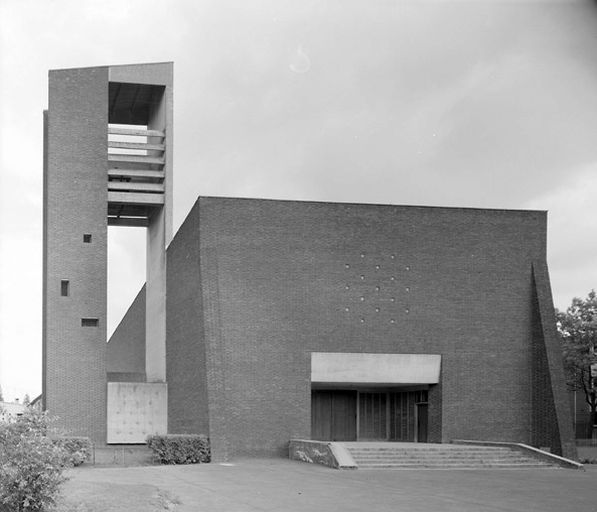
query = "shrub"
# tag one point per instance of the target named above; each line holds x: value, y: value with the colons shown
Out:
x: 588, y: 460
x: 77, y: 448
x: 180, y: 448
x: 32, y: 464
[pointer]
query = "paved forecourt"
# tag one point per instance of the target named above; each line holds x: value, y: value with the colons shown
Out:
x: 274, y: 485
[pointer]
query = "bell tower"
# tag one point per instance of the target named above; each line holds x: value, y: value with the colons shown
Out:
x: 107, y: 162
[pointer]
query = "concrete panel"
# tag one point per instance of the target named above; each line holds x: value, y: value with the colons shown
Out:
x: 159, y: 235
x: 136, y: 410
x: 154, y: 73
x: 155, y: 300
x: 343, y: 368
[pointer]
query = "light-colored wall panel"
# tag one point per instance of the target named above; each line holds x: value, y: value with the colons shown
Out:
x: 330, y: 367
x: 136, y: 410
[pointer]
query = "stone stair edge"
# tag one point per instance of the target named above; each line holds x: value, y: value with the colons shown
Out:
x: 463, y: 463
x: 529, y: 465
x: 414, y: 457
x: 446, y: 456
x: 528, y: 450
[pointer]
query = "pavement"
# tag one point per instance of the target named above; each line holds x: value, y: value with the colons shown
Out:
x: 283, y: 485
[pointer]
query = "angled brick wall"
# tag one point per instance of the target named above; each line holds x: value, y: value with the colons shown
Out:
x: 125, y: 353
x: 552, y: 421
x: 185, y: 347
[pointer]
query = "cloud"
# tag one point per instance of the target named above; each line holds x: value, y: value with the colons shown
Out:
x: 486, y: 104
x: 571, y: 234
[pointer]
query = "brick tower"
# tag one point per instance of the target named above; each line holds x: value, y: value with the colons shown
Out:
x: 107, y: 162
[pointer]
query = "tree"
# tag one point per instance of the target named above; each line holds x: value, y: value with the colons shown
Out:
x: 578, y: 329
x: 32, y: 466
x: 26, y: 399
x: 1, y: 396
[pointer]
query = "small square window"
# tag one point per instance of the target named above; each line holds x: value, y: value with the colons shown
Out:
x: 64, y: 287
x: 89, y: 322
x: 87, y: 238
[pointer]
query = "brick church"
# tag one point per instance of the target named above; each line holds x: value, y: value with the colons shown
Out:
x: 263, y: 320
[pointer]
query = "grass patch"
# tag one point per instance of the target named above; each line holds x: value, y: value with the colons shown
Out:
x: 111, y: 497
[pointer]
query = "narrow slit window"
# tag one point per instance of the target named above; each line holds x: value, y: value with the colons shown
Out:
x: 89, y: 322
x: 87, y: 238
x: 64, y: 287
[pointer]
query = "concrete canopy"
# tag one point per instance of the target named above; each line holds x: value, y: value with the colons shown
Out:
x: 359, y: 368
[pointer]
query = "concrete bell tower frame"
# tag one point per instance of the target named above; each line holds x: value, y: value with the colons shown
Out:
x: 107, y: 162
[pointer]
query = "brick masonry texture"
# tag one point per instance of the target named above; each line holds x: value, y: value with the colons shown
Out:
x: 551, y: 414
x: 281, y: 279
x: 126, y: 351
x: 75, y: 197
x: 255, y: 286
x: 186, y: 371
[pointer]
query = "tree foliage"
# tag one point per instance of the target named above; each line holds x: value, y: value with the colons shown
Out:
x: 32, y: 466
x: 578, y: 330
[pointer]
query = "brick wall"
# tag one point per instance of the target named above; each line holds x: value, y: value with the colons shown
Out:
x: 552, y: 421
x: 280, y: 279
x: 75, y: 204
x: 125, y: 352
x: 185, y: 349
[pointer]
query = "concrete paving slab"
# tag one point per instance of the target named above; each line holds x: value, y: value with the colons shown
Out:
x: 281, y: 485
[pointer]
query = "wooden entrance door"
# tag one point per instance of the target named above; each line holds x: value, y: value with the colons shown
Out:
x: 403, y: 421
x: 333, y: 415
x: 373, y: 417
x: 422, y: 422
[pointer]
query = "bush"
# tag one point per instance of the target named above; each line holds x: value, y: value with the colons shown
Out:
x: 32, y: 464
x: 180, y: 448
x: 77, y: 448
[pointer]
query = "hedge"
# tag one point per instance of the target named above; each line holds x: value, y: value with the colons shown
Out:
x: 180, y: 448
x: 78, y: 448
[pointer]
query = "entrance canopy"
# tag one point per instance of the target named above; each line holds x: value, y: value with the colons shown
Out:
x: 375, y: 369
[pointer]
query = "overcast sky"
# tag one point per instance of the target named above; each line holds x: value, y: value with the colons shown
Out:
x: 447, y: 103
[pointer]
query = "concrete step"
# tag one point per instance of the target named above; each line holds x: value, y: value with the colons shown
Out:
x: 448, y: 448
x: 512, y: 459
x: 437, y: 456
x: 427, y: 452
x: 456, y: 466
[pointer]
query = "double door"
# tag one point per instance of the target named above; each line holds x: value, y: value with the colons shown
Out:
x: 369, y: 416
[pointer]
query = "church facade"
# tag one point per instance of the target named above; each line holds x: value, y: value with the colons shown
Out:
x: 263, y: 320
x: 357, y: 322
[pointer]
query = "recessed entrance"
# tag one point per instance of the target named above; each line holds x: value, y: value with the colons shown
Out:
x: 334, y: 415
x: 351, y: 415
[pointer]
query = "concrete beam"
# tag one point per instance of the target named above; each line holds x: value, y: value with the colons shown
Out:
x: 135, y: 145
x: 135, y: 186
x: 135, y: 131
x: 133, y: 222
x: 362, y: 368
x: 137, y: 159
x: 136, y: 173
x: 136, y: 198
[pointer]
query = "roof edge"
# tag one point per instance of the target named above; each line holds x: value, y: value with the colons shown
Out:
x: 385, y: 205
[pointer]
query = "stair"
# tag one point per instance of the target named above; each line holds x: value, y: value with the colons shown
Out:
x: 439, y: 456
